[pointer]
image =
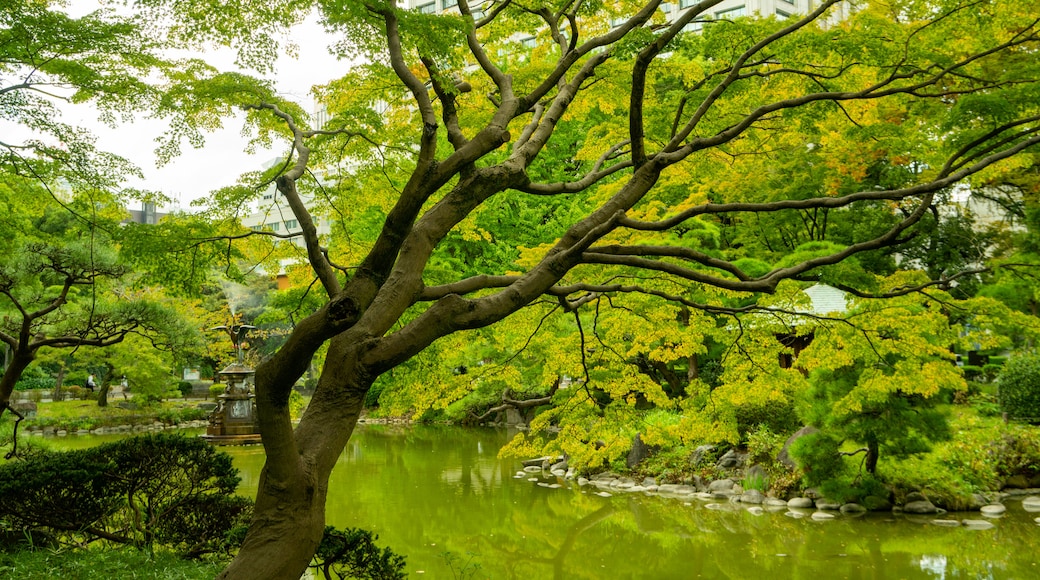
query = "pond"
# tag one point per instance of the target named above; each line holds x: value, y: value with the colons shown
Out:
x: 441, y: 497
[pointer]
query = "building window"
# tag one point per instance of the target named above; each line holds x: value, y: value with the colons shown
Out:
x: 731, y: 13
x: 445, y: 4
x: 686, y: 3
x: 528, y: 42
x: 272, y: 227
x: 791, y: 2
x: 694, y: 26
x: 781, y: 15
x: 291, y: 224
x: 427, y: 8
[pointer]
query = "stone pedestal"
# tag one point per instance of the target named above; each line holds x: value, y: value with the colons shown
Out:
x: 233, y: 422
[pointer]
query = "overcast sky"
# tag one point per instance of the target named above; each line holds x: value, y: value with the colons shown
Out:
x: 222, y: 159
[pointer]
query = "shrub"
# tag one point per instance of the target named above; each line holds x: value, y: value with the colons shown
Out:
x: 164, y: 488
x: 185, y: 388
x: 1019, y: 389
x: 216, y: 390
x: 352, y: 553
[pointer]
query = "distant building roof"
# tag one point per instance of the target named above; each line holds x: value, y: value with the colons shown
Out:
x: 826, y: 300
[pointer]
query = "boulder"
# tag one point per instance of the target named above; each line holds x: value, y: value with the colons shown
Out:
x: 638, y: 452
x: 1017, y: 482
x: 914, y: 496
x: 827, y: 504
x: 752, y: 496
x: 784, y: 456
x: 853, y: 508
x: 977, y: 524
x: 920, y: 507
x: 725, y: 484
x: 731, y: 460
x: 818, y: 516
x: 876, y: 503
x: 800, y: 502
x: 1031, y: 503
x: 699, y: 453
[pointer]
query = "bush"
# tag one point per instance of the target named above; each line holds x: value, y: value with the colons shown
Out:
x: 185, y: 388
x: 30, y: 383
x: 215, y: 390
x: 170, y: 489
x: 352, y: 553
x: 1019, y: 389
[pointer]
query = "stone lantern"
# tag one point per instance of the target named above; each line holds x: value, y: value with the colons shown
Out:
x: 233, y: 422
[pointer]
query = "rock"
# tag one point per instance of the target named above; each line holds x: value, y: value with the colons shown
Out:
x: 915, y: 496
x: 1031, y: 503
x: 772, y: 502
x: 558, y: 472
x: 827, y: 504
x: 699, y: 453
x: 1017, y: 482
x: 853, y: 508
x: 725, y: 484
x: 977, y: 524
x: 800, y: 502
x: 755, y: 510
x: 604, y: 494
x: 737, y: 489
x: 638, y: 452
x: 812, y: 493
x: 757, y: 473
x: 582, y: 481
x: 795, y: 515
x: 1034, y: 481
x: 623, y: 483
x: 977, y: 501
x: 675, y: 488
x: 532, y: 469
x: 946, y: 523
x: 784, y: 456
x: 207, y: 406
x: 920, y: 507
x: 822, y: 516
x: 731, y: 460
x: 648, y: 481
x: 561, y: 465
x: 876, y: 503
x: 994, y: 509
x: 752, y: 496
x: 536, y: 462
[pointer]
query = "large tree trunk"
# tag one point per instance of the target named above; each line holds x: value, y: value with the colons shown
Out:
x: 289, y: 516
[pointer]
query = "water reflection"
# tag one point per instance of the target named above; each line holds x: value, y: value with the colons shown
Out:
x: 427, y: 491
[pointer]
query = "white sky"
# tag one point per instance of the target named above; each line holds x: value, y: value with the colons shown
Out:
x: 219, y: 163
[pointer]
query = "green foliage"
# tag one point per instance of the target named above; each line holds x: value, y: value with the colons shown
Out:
x: 296, y: 404
x: 216, y: 389
x: 763, y: 444
x: 1019, y: 388
x: 94, y: 564
x: 353, y: 553
x: 185, y: 388
x: 155, y: 489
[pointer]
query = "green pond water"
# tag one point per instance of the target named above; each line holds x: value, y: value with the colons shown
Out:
x: 441, y: 497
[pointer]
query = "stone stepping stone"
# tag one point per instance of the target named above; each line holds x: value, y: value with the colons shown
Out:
x: 946, y: 523
x: 992, y: 510
x: 821, y: 516
x: 977, y: 524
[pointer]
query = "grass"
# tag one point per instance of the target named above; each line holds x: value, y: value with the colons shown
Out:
x: 98, y: 564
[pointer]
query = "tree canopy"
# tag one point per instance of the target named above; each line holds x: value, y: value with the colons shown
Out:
x: 648, y: 186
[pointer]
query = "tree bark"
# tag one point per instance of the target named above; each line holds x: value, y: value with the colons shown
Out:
x: 289, y: 515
